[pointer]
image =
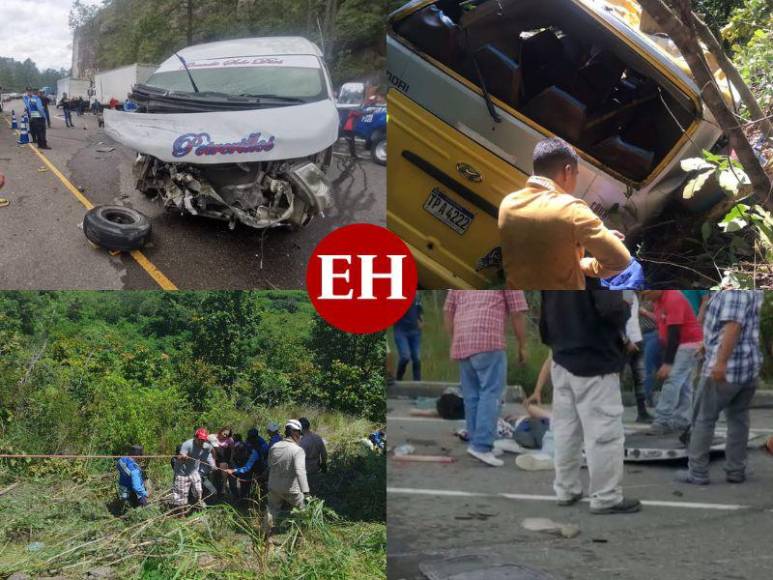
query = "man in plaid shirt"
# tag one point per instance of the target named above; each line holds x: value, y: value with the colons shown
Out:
x: 476, y: 321
x: 729, y: 379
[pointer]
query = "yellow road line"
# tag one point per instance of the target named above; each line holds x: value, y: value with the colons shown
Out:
x: 149, y: 267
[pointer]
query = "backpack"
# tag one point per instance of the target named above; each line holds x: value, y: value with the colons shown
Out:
x: 450, y: 406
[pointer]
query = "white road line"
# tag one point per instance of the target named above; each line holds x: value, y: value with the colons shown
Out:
x: 632, y: 426
x: 530, y: 497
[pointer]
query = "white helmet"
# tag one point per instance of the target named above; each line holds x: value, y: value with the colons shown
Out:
x: 294, y: 424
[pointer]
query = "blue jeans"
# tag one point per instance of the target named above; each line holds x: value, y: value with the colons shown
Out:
x: 67, y: 118
x: 483, y: 377
x: 408, y: 344
x: 652, y: 360
x: 674, y: 409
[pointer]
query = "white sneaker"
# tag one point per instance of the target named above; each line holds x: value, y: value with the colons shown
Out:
x: 497, y: 452
x: 508, y: 445
x: 487, y: 458
x: 534, y: 462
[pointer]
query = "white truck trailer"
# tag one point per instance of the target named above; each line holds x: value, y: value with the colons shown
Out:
x: 73, y: 87
x: 118, y: 83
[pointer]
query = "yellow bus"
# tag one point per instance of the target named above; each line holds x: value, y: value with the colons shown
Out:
x: 475, y: 84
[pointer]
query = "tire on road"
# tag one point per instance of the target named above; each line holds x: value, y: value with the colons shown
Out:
x: 115, y: 227
x: 378, y: 148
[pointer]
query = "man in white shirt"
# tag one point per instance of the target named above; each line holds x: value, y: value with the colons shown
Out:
x: 634, y: 344
x: 287, y: 483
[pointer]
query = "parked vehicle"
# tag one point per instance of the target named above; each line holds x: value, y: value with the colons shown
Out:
x: 239, y: 130
x: 363, y: 116
x: 73, y: 87
x: 474, y: 85
x: 115, y: 85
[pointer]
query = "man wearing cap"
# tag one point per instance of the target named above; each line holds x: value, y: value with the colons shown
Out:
x: 187, y: 467
x: 287, y: 483
x: 273, y: 434
x: 131, y: 482
x: 255, y: 464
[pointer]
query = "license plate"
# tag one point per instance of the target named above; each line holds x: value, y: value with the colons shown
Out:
x: 448, y: 211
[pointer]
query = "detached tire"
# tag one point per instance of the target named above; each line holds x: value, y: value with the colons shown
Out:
x: 115, y: 227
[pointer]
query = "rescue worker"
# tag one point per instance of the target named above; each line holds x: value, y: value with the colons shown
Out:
x: 187, y: 465
x: 44, y: 99
x: 37, y: 116
x: 254, y: 465
x: 544, y: 230
x: 287, y: 483
x: 316, y: 453
x: 131, y: 480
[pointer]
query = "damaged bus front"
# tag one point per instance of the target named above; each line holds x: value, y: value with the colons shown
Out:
x: 240, y: 131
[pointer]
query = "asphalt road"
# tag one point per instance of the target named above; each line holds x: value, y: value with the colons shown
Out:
x: 455, y: 515
x: 42, y: 245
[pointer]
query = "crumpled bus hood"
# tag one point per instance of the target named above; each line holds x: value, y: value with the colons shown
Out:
x: 268, y: 134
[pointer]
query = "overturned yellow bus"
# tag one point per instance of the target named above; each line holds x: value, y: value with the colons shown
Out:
x: 475, y: 84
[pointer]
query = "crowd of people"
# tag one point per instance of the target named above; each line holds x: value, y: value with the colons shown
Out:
x: 210, y: 467
x: 702, y: 347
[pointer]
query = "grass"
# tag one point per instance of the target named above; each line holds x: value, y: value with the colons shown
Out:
x: 436, y: 364
x: 65, y: 509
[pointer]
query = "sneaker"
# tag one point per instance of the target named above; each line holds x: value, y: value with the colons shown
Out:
x: 497, y: 452
x: 684, y: 476
x: 487, y: 457
x: 735, y: 478
x: 508, y: 446
x: 570, y: 500
x: 534, y: 462
x: 626, y: 506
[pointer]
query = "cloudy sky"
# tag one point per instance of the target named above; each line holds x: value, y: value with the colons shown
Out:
x: 37, y: 29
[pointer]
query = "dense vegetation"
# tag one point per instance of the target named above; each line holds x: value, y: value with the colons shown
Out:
x: 351, y: 32
x: 91, y: 372
x: 15, y: 76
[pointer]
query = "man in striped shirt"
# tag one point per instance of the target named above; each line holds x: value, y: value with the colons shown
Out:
x: 476, y: 321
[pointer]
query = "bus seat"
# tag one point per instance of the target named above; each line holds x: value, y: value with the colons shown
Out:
x: 633, y: 162
x: 432, y: 32
x: 501, y: 73
x: 559, y: 112
x: 597, y: 78
x: 544, y: 63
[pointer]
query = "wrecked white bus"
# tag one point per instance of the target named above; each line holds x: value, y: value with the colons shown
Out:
x: 239, y: 130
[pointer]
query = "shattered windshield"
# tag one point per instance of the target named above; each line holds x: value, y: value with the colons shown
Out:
x: 303, y: 83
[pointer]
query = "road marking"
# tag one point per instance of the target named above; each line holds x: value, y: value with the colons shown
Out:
x: 630, y: 426
x: 533, y: 497
x: 150, y: 268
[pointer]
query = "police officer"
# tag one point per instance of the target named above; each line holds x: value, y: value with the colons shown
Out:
x: 37, y: 116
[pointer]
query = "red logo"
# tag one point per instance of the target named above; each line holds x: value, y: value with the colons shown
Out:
x: 361, y: 278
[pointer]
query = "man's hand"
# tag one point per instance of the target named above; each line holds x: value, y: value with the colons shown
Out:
x: 229, y: 471
x: 522, y: 354
x: 534, y: 399
x: 719, y: 372
x: 663, y: 372
x: 619, y: 235
x: 631, y: 347
x: 143, y: 501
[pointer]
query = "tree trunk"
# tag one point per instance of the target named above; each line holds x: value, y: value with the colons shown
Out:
x: 683, y: 36
x: 705, y: 34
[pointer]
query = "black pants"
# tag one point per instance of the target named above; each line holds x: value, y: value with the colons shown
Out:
x: 38, y: 131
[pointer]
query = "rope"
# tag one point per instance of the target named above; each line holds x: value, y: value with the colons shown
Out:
x: 70, y: 456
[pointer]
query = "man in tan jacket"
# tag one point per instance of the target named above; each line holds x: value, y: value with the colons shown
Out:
x: 287, y: 483
x: 545, y: 230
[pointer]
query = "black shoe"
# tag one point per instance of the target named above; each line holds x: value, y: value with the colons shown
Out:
x: 46, y: 147
x: 626, y: 506
x: 644, y: 417
x: 570, y: 501
x: 735, y: 478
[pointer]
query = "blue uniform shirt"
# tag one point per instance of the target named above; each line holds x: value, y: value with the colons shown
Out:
x: 130, y: 476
